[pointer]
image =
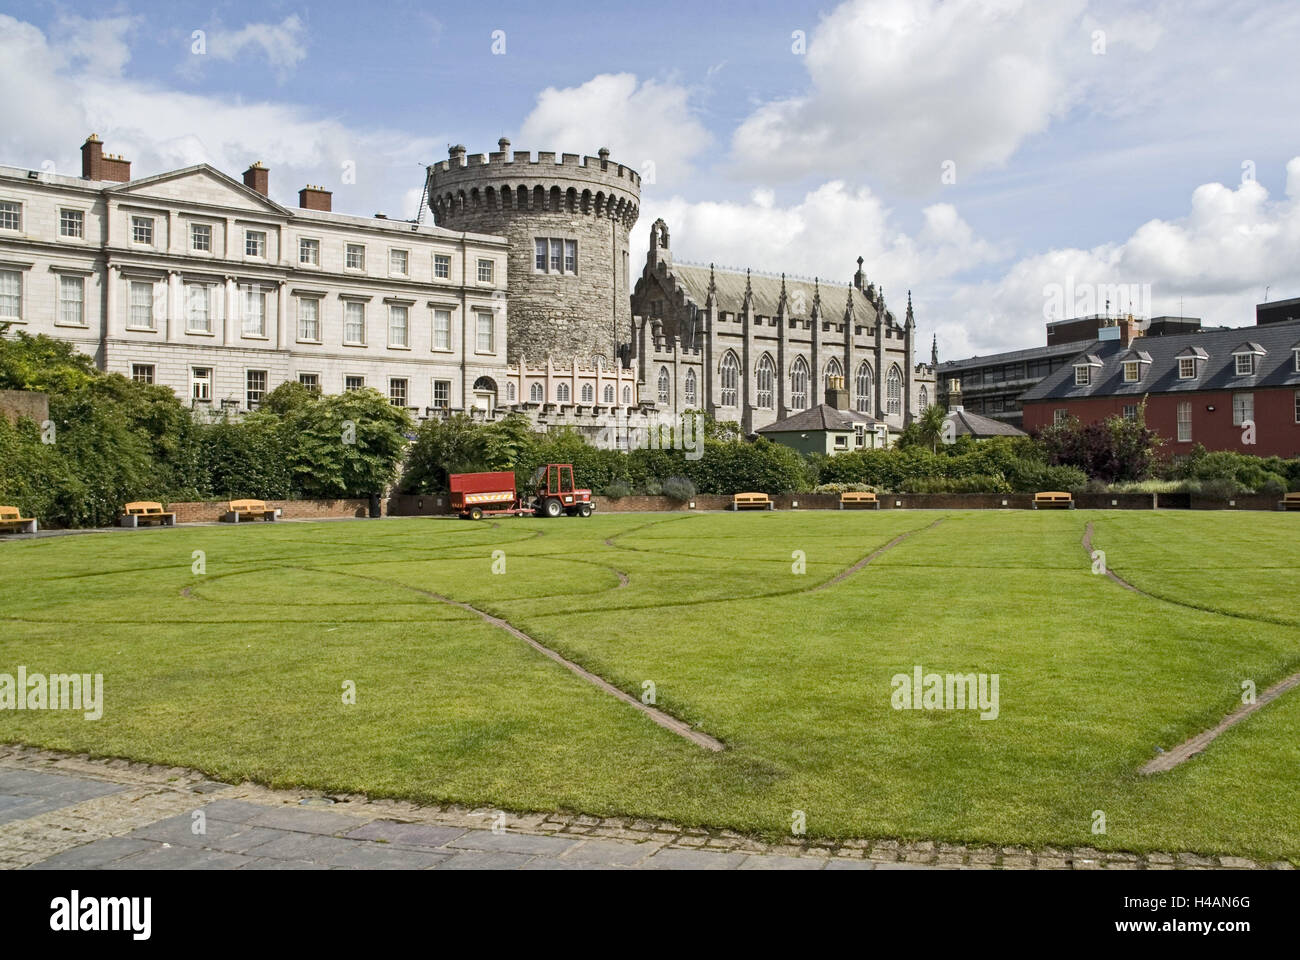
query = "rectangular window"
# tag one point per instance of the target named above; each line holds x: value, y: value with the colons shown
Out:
x: 484, y: 327
x: 398, y: 325
x: 1186, y: 368
x: 200, y: 238
x: 539, y: 254
x: 255, y: 243
x: 557, y: 255
x: 309, y: 252
x: 1082, y: 376
x: 141, y: 316
x: 1243, y: 408
x: 72, y: 223
x: 570, y: 256
x: 254, y: 387
x: 485, y: 271
x: 1130, y: 371
x: 201, y: 384
x: 311, y: 381
x: 354, y: 382
x: 198, y: 315
x: 11, y: 215
x: 860, y: 435
x: 397, y: 262
x: 354, y: 322
x: 11, y: 294
x: 1296, y: 357
x: 72, y: 295
x: 309, y: 319
x: 1185, y: 421
x: 442, y: 329
x: 355, y: 257
x: 1297, y: 406
x: 442, y: 394
x: 142, y: 230
x: 1060, y: 416
x: 142, y: 372
x: 1130, y: 411
x: 254, y: 312
x: 441, y: 266
x: 1245, y: 364
x: 841, y: 441
x: 397, y: 391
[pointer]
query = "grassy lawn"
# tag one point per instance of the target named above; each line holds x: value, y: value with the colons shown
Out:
x: 239, y: 671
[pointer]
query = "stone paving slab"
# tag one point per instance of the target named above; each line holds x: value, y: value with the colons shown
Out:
x: 60, y: 811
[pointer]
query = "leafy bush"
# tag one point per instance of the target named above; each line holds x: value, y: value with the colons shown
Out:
x: 652, y: 487
x: 1115, y: 449
x: 617, y: 489
x: 679, y: 488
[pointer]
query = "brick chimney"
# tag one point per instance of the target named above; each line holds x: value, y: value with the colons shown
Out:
x: 96, y: 165
x: 836, y: 394
x: 258, y: 178
x: 315, y: 198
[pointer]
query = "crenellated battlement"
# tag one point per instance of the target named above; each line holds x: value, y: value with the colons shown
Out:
x: 512, y: 181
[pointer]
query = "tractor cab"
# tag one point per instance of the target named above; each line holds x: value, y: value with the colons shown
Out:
x: 555, y: 492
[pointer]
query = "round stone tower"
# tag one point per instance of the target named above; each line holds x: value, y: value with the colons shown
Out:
x: 568, y: 224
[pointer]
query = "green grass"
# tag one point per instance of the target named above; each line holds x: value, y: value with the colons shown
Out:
x: 239, y: 671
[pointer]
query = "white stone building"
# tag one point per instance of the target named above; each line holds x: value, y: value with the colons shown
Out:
x: 195, y: 280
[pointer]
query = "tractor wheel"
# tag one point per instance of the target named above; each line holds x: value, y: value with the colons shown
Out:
x: 552, y: 508
x: 476, y: 513
x: 584, y: 510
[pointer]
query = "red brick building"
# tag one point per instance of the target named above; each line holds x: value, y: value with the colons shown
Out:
x: 1207, y: 387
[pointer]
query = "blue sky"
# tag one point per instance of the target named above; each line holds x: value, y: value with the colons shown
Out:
x: 1084, y: 142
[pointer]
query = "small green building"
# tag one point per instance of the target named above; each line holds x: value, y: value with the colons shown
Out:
x: 829, y: 427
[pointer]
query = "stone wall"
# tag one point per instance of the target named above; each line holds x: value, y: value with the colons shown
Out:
x: 211, y: 511
x: 24, y: 403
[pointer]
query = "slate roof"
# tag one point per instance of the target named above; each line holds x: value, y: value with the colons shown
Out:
x: 821, y: 417
x: 1276, y: 368
x: 766, y: 294
x: 974, y: 425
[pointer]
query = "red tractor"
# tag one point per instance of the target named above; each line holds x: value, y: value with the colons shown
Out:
x: 476, y: 495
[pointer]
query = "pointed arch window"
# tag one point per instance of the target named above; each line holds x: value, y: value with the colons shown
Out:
x: 766, y: 381
x: 588, y: 393
x: 862, y: 388
x: 510, y: 393
x: 609, y: 394
x: 536, y: 393
x: 664, y: 383
x: 562, y: 393
x: 833, y: 369
x: 799, y: 385
x: 894, y: 392
x: 925, y: 398
x: 690, y: 390
x: 627, y: 396
x: 730, y: 379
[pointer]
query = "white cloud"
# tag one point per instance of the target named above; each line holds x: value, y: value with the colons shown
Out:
x: 280, y: 44
x: 898, y: 87
x: 98, y: 45
x: 52, y: 103
x: 648, y: 125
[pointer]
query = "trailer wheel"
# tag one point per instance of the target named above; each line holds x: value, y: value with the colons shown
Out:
x: 584, y: 510
x: 552, y: 508
x: 476, y: 513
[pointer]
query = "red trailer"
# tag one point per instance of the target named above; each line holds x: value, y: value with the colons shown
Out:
x: 476, y: 495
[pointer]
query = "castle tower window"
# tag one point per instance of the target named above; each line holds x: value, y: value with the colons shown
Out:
x: 562, y: 393
x: 799, y: 385
x: 539, y: 249
x: 571, y: 256
x: 557, y: 255
x: 588, y: 393
x: 663, y: 384
x: 609, y: 394
x: 766, y: 379
x: 690, y: 390
x: 894, y: 392
x: 862, y: 386
x: 535, y: 393
x: 730, y: 371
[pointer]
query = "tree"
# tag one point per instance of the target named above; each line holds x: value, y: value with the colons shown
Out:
x: 926, y: 430
x: 347, y: 444
x: 1114, y: 450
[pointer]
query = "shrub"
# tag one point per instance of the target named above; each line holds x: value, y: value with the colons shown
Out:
x: 679, y: 488
x: 617, y: 489
x: 652, y: 487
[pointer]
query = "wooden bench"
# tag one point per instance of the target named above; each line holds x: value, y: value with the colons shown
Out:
x: 1289, y: 501
x: 145, y: 512
x: 249, y: 510
x: 1053, y: 499
x: 851, y: 498
x: 13, y: 522
x: 751, y: 501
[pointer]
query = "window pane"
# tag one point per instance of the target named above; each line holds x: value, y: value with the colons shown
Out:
x: 485, y: 333
x: 570, y: 256
x: 71, y: 223
x: 71, y: 294
x: 442, y: 329
x: 354, y: 322
x: 441, y: 266
x: 539, y: 252
x: 142, y: 305
x: 308, y: 319
x: 397, y: 316
x: 557, y: 255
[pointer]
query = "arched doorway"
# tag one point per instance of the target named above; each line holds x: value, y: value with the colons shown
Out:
x: 485, y: 394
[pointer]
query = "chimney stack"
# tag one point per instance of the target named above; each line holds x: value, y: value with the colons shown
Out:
x: 315, y: 198
x: 96, y: 165
x: 954, y: 395
x: 836, y: 395
x: 258, y: 178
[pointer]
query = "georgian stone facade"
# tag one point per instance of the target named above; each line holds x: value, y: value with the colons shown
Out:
x: 197, y: 281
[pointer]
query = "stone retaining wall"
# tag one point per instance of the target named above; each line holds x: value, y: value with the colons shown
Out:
x: 210, y: 511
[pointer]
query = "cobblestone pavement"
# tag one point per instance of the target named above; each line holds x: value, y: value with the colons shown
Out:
x: 62, y: 811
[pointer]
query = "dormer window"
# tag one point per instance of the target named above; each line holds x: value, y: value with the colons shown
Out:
x: 1082, y: 375
x: 1244, y: 358
x: 1295, y: 358
x: 1186, y: 368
